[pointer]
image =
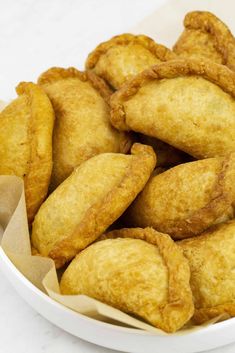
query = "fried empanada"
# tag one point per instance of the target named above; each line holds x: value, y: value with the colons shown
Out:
x: 187, y: 199
x: 26, y: 142
x: 82, y: 128
x: 211, y: 258
x: 147, y: 276
x: 206, y: 37
x: 124, y: 56
x: 89, y: 201
x: 167, y: 156
x: 186, y: 103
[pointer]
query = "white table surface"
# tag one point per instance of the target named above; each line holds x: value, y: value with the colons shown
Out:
x: 34, y: 36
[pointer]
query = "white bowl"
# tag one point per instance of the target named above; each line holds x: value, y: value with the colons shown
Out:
x: 111, y: 336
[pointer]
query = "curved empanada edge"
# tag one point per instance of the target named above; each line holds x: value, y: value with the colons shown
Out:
x: 179, y: 293
x: 224, y: 41
x: 41, y: 123
x: 102, y: 214
x: 159, y: 50
x: 58, y: 73
x: 220, y: 200
x: 215, y: 73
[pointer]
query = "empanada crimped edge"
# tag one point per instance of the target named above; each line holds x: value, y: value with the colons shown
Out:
x: 57, y: 73
x: 221, y: 199
x: 159, y: 50
x: 226, y: 309
x: 40, y: 135
x: 107, y: 210
x: 215, y: 73
x: 179, y: 294
x: 207, y: 22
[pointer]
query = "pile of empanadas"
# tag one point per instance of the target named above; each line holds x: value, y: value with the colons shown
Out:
x: 129, y: 173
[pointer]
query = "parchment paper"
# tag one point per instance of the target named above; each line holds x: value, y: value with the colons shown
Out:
x: 164, y: 25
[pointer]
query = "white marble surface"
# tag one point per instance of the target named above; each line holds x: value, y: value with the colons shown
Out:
x: 34, y: 36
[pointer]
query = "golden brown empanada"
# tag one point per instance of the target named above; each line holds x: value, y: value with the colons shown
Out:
x: 211, y: 258
x: 89, y: 201
x: 206, y: 37
x: 26, y: 126
x: 185, y: 103
x: 124, y: 56
x: 147, y: 276
x: 167, y: 155
x: 82, y: 128
x: 187, y: 199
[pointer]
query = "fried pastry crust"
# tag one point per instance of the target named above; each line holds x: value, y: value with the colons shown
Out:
x: 186, y: 103
x: 124, y: 56
x: 139, y: 271
x: 82, y: 128
x: 211, y: 258
x: 26, y: 142
x: 89, y: 201
x: 167, y: 155
x: 206, y: 36
x: 187, y: 199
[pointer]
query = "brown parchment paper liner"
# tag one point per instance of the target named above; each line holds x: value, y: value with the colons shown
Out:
x: 15, y: 242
